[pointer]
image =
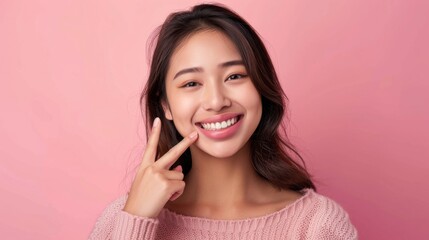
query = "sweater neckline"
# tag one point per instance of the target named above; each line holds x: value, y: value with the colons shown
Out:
x: 233, y: 225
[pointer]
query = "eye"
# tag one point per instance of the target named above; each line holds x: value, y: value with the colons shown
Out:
x: 236, y: 76
x: 190, y: 84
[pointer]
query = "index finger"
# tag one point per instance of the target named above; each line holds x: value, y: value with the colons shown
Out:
x: 152, y: 144
x: 175, y: 152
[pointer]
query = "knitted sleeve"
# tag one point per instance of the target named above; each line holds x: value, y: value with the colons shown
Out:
x: 331, y: 221
x: 114, y: 223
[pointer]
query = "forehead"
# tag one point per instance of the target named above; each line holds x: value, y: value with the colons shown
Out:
x: 204, y: 48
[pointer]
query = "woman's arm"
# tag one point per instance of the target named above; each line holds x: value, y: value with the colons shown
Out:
x: 114, y: 223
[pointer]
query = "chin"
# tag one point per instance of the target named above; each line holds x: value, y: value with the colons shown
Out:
x: 221, y: 155
x: 219, y: 150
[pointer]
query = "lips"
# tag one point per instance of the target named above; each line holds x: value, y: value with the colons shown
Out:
x: 219, y: 122
x: 220, y: 126
x: 213, y: 126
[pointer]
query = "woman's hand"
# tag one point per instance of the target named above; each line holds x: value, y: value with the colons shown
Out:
x: 154, y: 184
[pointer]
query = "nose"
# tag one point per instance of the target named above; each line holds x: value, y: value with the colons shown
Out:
x: 215, y: 98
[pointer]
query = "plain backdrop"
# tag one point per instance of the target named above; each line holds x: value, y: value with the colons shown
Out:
x: 71, y: 71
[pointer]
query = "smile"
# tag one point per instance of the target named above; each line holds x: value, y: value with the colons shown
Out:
x: 221, y: 127
x: 213, y: 126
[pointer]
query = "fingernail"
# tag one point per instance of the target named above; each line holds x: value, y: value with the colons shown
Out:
x: 193, y: 135
x: 178, y: 168
x: 156, y: 122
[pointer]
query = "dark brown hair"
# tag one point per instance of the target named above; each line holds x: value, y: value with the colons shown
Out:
x: 271, y: 149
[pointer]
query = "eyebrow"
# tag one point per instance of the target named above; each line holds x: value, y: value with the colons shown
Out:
x: 200, y: 69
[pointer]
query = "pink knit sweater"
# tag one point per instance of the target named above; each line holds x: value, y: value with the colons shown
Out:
x: 313, y: 216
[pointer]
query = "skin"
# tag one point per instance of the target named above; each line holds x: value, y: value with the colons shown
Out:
x: 222, y: 183
x: 196, y: 96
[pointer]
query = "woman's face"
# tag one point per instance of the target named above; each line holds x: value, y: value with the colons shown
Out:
x: 208, y: 90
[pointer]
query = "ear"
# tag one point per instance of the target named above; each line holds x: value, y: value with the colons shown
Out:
x: 167, y: 111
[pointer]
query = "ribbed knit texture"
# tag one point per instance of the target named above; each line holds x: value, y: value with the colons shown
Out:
x: 313, y: 216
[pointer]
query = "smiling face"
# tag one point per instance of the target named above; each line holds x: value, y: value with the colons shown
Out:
x: 208, y: 90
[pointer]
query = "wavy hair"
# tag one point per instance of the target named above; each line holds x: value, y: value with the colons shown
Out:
x: 271, y: 151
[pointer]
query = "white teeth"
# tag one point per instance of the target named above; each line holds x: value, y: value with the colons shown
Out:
x: 219, y: 125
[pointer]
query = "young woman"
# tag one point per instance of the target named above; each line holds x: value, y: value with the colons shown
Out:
x: 218, y: 164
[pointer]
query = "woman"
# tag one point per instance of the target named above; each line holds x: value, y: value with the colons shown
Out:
x: 216, y: 165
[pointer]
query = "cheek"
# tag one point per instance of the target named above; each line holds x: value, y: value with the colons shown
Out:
x: 251, y: 98
x: 182, y: 108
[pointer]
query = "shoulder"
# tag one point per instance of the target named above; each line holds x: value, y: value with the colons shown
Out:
x: 118, y: 224
x: 105, y: 222
x: 325, y: 218
x: 113, y: 208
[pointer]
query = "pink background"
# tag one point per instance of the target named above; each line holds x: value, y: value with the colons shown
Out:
x: 71, y: 71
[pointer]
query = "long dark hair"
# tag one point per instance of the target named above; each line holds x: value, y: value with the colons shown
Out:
x: 271, y: 150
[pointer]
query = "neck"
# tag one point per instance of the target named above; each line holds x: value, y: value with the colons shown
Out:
x: 219, y: 182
